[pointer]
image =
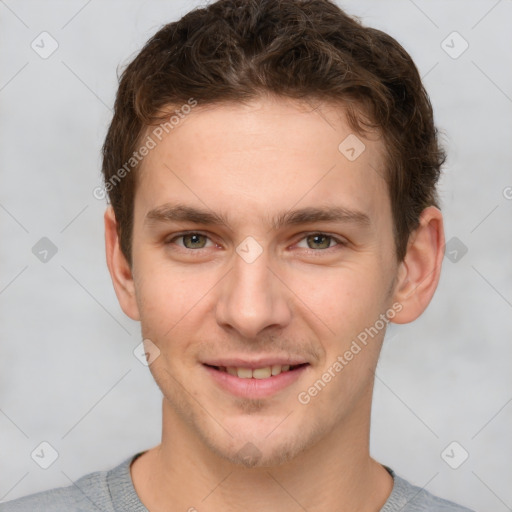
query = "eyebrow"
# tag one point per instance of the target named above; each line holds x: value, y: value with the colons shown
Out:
x: 183, y: 213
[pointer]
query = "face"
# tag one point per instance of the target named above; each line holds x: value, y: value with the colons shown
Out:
x: 260, y: 246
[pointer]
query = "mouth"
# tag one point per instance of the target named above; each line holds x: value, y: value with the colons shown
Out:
x: 264, y: 372
x: 257, y: 382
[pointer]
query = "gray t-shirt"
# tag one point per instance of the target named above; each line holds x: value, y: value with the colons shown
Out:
x: 113, y: 491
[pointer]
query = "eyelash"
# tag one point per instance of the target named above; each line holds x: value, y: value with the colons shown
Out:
x: 339, y: 241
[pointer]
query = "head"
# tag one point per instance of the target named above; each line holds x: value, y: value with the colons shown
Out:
x: 271, y: 168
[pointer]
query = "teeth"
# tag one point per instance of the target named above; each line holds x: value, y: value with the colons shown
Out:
x: 262, y: 373
x: 244, y: 373
x: 276, y: 369
x: 257, y: 373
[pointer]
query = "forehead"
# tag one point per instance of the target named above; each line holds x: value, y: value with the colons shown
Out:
x: 268, y: 154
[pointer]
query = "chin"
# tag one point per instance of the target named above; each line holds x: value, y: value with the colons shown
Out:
x: 250, y: 455
x: 265, y: 448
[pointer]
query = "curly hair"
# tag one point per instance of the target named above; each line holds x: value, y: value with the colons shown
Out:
x: 238, y: 50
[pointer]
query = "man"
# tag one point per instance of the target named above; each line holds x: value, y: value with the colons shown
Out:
x: 272, y: 168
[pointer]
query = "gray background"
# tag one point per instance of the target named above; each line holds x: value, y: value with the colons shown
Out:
x: 68, y: 375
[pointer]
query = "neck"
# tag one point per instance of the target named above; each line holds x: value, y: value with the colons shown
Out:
x: 336, y: 473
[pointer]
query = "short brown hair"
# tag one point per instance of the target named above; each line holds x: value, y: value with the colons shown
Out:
x: 237, y: 50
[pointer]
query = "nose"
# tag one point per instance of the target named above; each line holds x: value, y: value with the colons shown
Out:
x: 253, y: 298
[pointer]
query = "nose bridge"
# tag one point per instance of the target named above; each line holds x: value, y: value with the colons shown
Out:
x: 252, y: 298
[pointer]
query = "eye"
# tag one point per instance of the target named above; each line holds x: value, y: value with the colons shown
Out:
x: 192, y: 240
x: 320, y: 241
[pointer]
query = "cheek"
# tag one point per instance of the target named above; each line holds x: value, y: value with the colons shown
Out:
x: 168, y: 297
x: 345, y: 299
x: 176, y: 305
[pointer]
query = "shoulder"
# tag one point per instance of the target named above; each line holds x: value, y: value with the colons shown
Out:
x: 89, y: 493
x: 407, y: 497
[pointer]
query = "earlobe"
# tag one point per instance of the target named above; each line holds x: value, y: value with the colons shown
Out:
x: 119, y: 269
x: 419, y: 272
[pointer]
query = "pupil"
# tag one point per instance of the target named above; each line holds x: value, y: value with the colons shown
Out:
x: 193, y: 240
x: 317, y: 240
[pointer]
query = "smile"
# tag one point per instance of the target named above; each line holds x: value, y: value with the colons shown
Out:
x: 255, y: 383
x: 257, y: 373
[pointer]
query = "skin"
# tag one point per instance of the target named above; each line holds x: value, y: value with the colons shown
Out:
x: 303, y: 296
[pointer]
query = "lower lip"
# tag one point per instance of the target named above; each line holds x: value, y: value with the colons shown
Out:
x: 255, y: 388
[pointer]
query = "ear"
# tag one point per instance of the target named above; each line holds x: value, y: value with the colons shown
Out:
x: 119, y: 269
x: 419, y: 272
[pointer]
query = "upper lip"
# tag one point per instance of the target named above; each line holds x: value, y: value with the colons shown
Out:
x: 254, y: 363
